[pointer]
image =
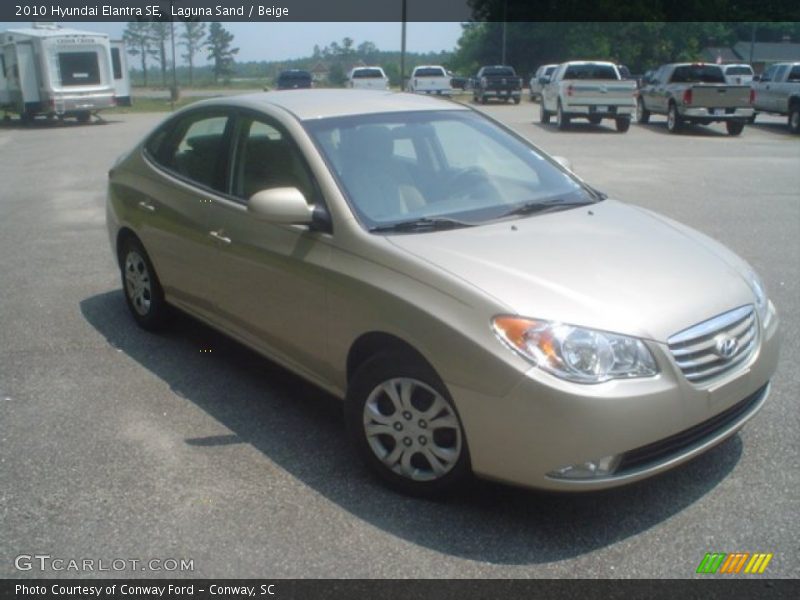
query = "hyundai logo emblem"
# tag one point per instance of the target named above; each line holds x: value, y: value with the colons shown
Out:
x: 726, y: 347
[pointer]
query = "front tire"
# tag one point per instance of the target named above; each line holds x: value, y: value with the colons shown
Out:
x: 516, y: 99
x: 143, y: 292
x: 674, y: 121
x: 84, y: 116
x: 405, y: 427
x: 595, y: 120
x: 623, y: 124
x: 544, y: 115
x: 734, y: 127
x: 642, y: 114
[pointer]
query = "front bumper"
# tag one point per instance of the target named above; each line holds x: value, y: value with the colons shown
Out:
x: 654, y: 423
x: 64, y: 104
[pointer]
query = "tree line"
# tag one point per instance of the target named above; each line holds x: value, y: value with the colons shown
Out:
x: 639, y: 45
x: 149, y: 40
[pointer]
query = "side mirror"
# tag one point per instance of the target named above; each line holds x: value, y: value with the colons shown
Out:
x: 756, y: 77
x: 544, y: 80
x: 564, y: 162
x: 283, y: 206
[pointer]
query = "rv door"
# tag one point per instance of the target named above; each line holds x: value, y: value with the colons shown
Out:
x: 122, y: 80
x: 28, y: 76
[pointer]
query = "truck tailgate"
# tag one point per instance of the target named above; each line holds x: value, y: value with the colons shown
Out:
x: 720, y: 96
x: 599, y: 92
x: 424, y: 84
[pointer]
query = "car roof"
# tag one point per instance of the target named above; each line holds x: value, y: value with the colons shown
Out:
x: 324, y: 103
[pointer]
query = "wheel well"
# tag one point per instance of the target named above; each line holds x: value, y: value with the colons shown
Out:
x: 370, y: 344
x: 123, y: 235
x: 794, y: 101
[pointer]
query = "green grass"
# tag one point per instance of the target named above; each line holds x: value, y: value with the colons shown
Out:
x: 143, y: 105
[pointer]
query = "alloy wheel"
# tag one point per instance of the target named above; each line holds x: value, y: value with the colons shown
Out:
x: 138, y: 283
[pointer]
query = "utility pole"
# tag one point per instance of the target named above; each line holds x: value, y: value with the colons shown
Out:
x: 752, y: 42
x: 403, y: 49
x: 505, y: 25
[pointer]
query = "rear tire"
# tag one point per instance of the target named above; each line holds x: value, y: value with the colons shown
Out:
x: 83, y: 116
x: 794, y: 118
x: 516, y: 99
x: 595, y: 120
x: 674, y: 121
x: 642, y: 114
x: 623, y: 124
x: 405, y: 427
x: 734, y: 127
x: 143, y: 292
x: 483, y: 99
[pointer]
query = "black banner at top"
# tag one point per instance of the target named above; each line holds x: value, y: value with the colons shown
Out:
x: 397, y: 10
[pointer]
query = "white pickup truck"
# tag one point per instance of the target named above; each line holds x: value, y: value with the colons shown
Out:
x: 777, y: 90
x: 367, y: 78
x: 430, y: 79
x: 589, y: 90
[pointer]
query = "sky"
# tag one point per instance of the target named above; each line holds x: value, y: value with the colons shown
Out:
x: 284, y: 40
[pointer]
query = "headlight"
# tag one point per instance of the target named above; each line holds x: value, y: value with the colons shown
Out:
x: 762, y: 302
x: 574, y: 353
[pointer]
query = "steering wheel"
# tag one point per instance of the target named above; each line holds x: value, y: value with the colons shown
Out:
x: 470, y: 182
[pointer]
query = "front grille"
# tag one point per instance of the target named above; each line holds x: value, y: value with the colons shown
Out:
x: 664, y: 449
x: 700, y: 350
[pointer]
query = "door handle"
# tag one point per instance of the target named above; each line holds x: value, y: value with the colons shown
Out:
x: 147, y: 206
x: 217, y: 235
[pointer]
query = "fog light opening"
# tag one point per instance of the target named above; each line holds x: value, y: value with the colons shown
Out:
x: 590, y: 469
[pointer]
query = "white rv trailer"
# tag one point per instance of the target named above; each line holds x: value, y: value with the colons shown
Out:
x: 119, y: 68
x: 47, y: 70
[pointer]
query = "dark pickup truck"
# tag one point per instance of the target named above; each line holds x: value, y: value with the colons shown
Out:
x: 499, y: 82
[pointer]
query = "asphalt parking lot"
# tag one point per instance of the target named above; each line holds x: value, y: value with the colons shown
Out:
x: 119, y: 444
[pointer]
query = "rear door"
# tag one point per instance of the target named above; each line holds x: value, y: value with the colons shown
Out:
x: 189, y: 156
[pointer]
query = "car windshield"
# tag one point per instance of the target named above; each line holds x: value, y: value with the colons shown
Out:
x: 367, y: 74
x: 455, y: 165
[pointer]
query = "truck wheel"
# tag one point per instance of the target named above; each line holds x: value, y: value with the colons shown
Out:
x: 642, y: 114
x: 674, y: 121
x: 544, y: 115
x: 483, y: 99
x: 794, y: 118
x: 83, y: 116
x: 623, y: 124
x: 595, y: 120
x: 562, y: 120
x: 734, y: 127
x: 516, y: 99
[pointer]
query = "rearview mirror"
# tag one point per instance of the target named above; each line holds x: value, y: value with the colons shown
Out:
x: 564, y: 162
x: 283, y: 205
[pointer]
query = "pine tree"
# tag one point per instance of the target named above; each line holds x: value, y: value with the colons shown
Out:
x: 192, y: 40
x: 139, y: 43
x: 220, y: 52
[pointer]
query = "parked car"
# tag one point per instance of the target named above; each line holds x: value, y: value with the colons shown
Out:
x: 294, y: 79
x: 457, y: 82
x: 694, y: 93
x: 591, y: 90
x: 430, y: 79
x: 367, y: 78
x: 777, y: 91
x: 498, y: 81
x: 737, y: 74
x: 539, y: 79
x: 318, y: 228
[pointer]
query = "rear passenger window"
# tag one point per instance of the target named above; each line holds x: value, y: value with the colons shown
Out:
x: 198, y: 151
x: 794, y: 75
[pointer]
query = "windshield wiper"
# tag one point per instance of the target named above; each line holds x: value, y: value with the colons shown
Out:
x: 530, y: 208
x: 422, y: 224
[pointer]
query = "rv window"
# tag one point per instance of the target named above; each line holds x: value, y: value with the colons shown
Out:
x: 116, y: 62
x: 79, y: 68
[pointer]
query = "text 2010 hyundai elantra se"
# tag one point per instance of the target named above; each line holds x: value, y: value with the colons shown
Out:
x: 478, y: 307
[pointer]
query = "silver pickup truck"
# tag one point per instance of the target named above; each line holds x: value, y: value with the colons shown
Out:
x: 777, y: 90
x: 590, y: 90
x: 694, y: 93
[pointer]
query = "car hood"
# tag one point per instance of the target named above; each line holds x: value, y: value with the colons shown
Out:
x: 608, y: 266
